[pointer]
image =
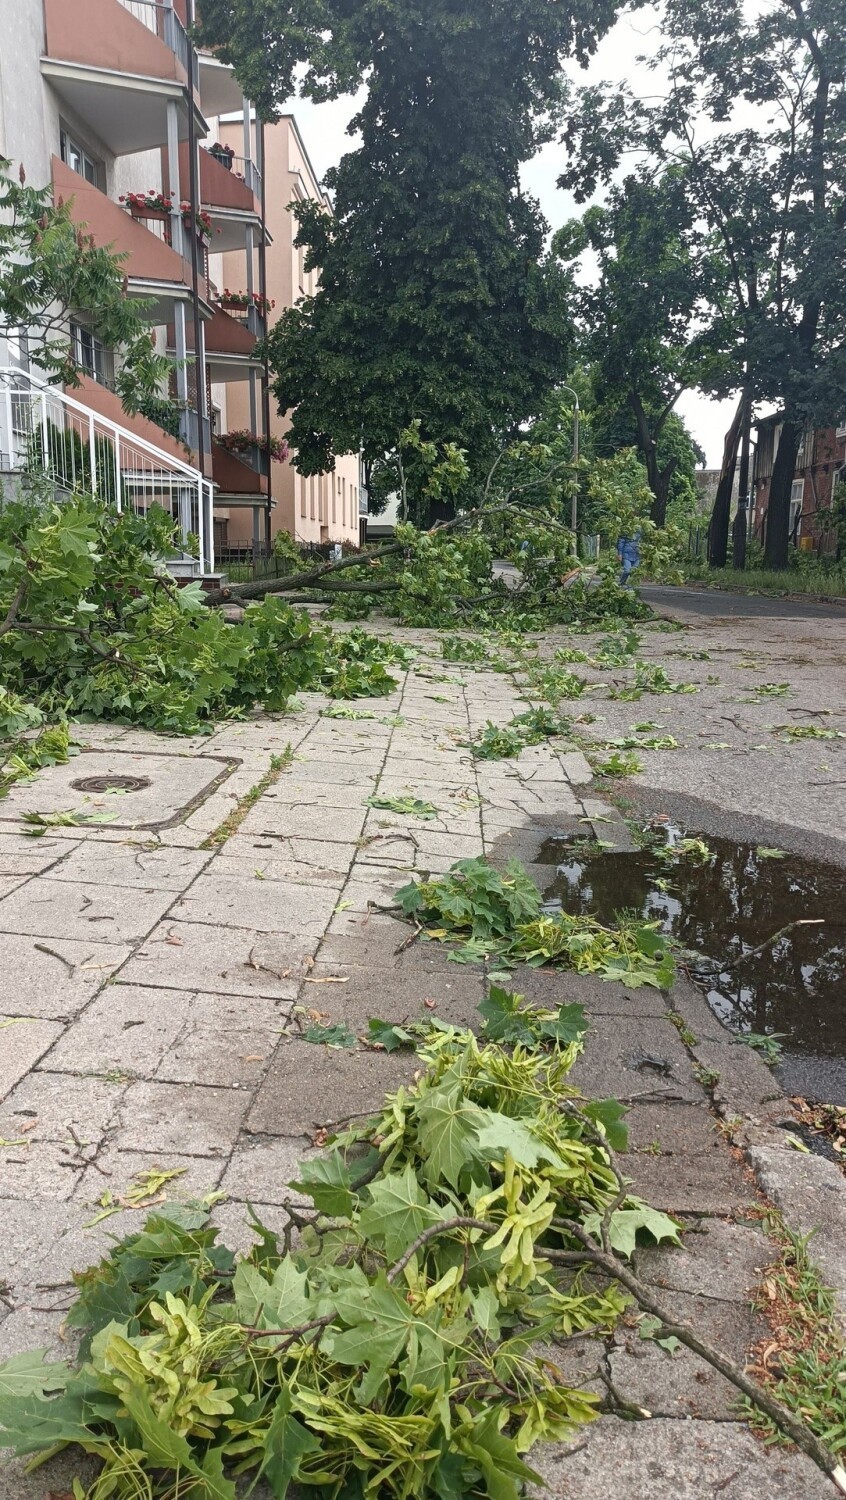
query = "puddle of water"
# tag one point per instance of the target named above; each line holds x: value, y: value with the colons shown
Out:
x: 725, y: 909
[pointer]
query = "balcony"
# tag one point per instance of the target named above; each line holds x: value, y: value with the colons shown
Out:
x: 154, y: 270
x: 235, y: 478
x: 220, y: 91
x: 230, y: 348
x: 115, y: 63
x: 229, y: 194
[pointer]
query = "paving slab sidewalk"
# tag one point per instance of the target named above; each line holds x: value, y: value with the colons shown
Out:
x: 152, y: 986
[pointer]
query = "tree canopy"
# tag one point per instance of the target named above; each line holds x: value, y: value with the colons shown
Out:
x: 49, y: 269
x: 437, y: 302
x: 755, y: 113
x: 653, y: 320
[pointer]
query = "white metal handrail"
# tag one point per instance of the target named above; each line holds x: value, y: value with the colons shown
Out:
x: 82, y: 451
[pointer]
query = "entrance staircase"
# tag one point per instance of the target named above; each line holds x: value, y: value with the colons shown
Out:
x: 43, y: 428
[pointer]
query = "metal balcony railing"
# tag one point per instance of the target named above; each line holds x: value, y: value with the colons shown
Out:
x: 247, y: 169
x: 165, y: 23
x: 43, y: 429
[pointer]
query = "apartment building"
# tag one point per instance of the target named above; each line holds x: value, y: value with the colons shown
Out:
x: 324, y: 507
x: 109, y: 101
x: 820, y: 467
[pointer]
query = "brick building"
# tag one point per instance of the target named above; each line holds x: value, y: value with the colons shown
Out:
x: 820, y: 465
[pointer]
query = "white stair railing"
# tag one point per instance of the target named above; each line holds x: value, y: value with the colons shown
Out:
x: 43, y: 427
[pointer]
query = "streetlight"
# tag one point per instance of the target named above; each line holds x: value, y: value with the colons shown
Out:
x: 574, y: 504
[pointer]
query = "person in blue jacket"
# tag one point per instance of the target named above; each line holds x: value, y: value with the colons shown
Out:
x: 628, y: 551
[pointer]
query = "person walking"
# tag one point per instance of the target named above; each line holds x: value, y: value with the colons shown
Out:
x: 628, y: 552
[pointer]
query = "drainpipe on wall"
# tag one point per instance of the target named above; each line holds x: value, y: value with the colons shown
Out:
x: 262, y: 166
x: 194, y: 197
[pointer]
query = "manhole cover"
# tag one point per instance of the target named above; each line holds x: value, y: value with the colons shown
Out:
x: 111, y: 784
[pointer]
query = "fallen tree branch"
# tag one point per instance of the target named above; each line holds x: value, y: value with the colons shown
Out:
x: 607, y: 1261
x: 321, y: 576
x: 725, y: 968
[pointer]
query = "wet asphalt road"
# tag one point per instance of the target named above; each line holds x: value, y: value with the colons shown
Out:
x: 715, y: 604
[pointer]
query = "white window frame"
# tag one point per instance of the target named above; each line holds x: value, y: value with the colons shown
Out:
x: 89, y: 166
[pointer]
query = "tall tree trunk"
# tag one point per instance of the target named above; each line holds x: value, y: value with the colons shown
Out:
x: 658, y: 478
x: 781, y: 484
x: 719, y: 531
x: 741, y: 521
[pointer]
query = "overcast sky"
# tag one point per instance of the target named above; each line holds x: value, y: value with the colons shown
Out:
x: 324, y: 129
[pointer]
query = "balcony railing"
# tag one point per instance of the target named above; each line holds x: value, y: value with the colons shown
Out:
x: 243, y: 167
x: 42, y: 428
x: 192, y: 427
x: 165, y: 23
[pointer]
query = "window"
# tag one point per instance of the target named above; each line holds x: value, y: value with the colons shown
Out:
x: 79, y: 160
x: 343, y: 502
x: 797, y: 494
x: 302, y: 494
x: 90, y: 353
x: 312, y: 483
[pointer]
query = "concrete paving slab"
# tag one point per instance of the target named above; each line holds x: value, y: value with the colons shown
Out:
x: 46, y: 1108
x: 20, y: 855
x: 274, y: 906
x: 262, y: 1170
x: 174, y: 783
x: 51, y: 908
x: 22, y: 1043
x: 180, y: 1118
x: 674, y: 1130
x: 222, y: 960
x: 680, y: 1459
x: 127, y: 1029
x: 225, y: 1059
x: 310, y: 1086
x: 39, y: 1169
x: 718, y: 1259
x: 149, y: 869
x: 54, y: 978
x: 321, y: 853
x: 712, y: 1184
x: 336, y: 825
x: 631, y: 1060
x: 405, y: 995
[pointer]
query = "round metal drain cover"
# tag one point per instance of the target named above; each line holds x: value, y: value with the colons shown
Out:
x: 111, y: 784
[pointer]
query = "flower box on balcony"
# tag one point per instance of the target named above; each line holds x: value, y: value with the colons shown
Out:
x: 252, y: 449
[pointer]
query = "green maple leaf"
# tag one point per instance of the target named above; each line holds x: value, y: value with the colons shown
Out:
x: 449, y: 1127
x: 287, y: 1442
x: 281, y: 1303
x: 498, y: 1133
x: 328, y: 1183
x: 569, y: 1025
x: 399, y: 1210
x: 503, y: 1021
x: 627, y: 1223
x: 609, y: 1114
x: 392, y: 1038
x: 383, y: 1325
x: 30, y: 1375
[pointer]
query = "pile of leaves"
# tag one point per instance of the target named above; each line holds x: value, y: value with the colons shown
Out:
x: 491, y: 914
x: 93, y: 624
x: 395, y: 1349
x: 499, y: 741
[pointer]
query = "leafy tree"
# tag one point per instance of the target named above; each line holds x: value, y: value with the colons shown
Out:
x: 676, y: 451
x: 770, y: 185
x: 437, y: 301
x: 652, y: 321
x: 49, y: 268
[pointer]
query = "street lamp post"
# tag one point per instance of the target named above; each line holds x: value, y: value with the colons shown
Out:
x: 574, y: 503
